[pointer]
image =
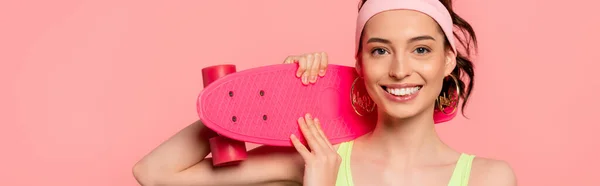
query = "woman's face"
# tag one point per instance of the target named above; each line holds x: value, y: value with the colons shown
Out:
x: 404, y: 61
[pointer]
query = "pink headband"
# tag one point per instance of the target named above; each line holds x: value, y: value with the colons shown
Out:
x: 433, y: 8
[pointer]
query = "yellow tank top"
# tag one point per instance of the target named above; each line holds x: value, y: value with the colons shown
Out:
x: 460, y: 176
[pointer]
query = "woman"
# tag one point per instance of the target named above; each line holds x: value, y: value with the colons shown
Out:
x: 407, y: 58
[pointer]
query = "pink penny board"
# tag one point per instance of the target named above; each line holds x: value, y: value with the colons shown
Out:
x: 262, y: 105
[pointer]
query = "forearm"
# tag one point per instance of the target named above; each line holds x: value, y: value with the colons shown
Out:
x: 265, y: 165
x: 254, y: 171
x: 183, y: 150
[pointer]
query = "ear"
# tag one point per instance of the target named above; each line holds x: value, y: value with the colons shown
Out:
x: 450, y: 63
x: 358, y: 67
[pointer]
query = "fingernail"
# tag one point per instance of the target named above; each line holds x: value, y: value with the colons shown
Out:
x: 313, y: 78
x: 304, y: 79
x: 308, y: 116
x: 321, y: 72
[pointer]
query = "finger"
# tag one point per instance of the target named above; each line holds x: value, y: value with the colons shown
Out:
x: 316, y: 136
x: 323, y: 64
x: 288, y: 60
x: 309, y: 136
x: 301, y: 66
x: 314, y: 69
x: 322, y: 134
x: 310, y: 62
x: 305, y: 153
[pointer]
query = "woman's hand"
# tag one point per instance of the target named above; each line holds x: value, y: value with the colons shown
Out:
x: 322, y: 161
x: 311, y: 66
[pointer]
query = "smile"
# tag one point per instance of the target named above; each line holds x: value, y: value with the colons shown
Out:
x: 401, y: 93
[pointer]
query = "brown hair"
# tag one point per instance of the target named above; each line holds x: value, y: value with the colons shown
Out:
x: 464, y: 66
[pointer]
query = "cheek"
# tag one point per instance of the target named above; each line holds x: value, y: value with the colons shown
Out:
x: 372, y: 70
x: 371, y: 76
x: 427, y: 67
x: 430, y: 70
x: 372, y: 73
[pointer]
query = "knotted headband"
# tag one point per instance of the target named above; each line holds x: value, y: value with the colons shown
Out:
x: 434, y: 8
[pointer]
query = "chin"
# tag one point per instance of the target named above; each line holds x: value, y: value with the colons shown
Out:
x: 400, y: 111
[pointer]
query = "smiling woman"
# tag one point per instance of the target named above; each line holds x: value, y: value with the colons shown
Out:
x: 410, y: 64
x: 408, y: 56
x: 452, y: 85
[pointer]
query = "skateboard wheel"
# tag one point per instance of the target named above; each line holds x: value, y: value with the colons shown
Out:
x: 212, y: 73
x: 226, y: 151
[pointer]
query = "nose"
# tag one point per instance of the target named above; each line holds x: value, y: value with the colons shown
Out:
x: 400, y: 68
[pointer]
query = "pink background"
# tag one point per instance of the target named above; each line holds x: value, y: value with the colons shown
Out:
x: 89, y: 87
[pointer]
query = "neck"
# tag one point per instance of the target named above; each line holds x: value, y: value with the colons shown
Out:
x: 405, y: 140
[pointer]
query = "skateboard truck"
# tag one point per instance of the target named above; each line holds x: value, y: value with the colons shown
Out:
x: 225, y: 151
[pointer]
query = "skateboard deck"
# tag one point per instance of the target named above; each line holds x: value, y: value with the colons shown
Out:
x: 262, y: 105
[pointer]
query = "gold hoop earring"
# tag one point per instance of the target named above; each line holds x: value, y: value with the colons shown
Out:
x: 444, y: 102
x: 360, y: 100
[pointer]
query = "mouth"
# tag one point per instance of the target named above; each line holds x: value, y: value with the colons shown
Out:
x: 402, y: 90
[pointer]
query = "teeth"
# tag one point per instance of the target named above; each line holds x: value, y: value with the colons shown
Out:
x: 402, y: 91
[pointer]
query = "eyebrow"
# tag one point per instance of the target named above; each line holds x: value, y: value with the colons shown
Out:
x: 378, y: 40
x: 419, y: 38
x: 414, y: 39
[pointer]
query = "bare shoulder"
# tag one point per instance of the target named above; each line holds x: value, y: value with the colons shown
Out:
x: 491, y: 172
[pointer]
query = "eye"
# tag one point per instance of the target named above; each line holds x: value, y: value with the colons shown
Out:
x: 422, y: 50
x: 378, y: 51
